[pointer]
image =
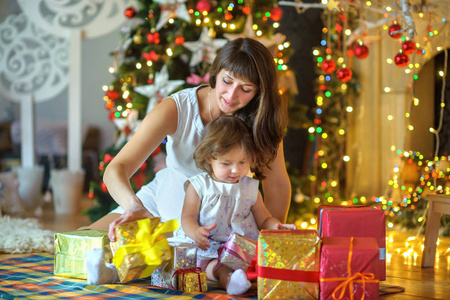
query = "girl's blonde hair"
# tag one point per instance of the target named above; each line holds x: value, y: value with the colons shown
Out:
x: 219, y: 137
x: 266, y: 114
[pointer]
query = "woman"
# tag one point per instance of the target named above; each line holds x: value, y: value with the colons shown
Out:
x: 243, y: 83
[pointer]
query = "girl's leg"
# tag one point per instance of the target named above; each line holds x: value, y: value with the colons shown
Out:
x: 234, y: 282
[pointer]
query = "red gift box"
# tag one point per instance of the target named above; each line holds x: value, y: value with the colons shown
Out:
x: 347, y: 268
x: 356, y: 222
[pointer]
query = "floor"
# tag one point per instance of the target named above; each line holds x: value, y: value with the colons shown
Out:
x: 404, y: 255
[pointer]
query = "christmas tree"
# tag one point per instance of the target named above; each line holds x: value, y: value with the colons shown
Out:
x: 168, y: 45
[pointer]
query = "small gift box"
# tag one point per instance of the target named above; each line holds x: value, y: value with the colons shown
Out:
x: 288, y: 264
x: 184, y: 258
x: 237, y: 252
x: 356, y: 222
x: 140, y: 247
x: 347, y: 268
x: 71, y: 248
x: 193, y: 280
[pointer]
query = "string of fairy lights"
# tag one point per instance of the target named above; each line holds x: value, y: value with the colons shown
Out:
x: 340, y: 44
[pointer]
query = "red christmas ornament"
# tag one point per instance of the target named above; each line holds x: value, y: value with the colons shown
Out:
x: 361, y: 51
x: 143, y: 166
x: 108, y: 158
x: 150, y: 81
x: 228, y: 16
x: 393, y: 28
x: 408, y: 47
x: 153, y: 38
x: 112, y: 115
x: 276, y: 13
x: 401, y: 59
x: 130, y: 12
x: 179, y: 40
x: 328, y: 65
x: 203, y: 6
x: 150, y: 56
x: 156, y: 151
x: 246, y: 10
x: 344, y: 74
x: 103, y: 187
x: 109, y: 104
x: 112, y: 95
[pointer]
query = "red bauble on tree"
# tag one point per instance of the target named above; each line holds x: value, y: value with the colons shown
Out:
x: 153, y: 38
x: 344, y: 74
x: 112, y: 95
x: 328, y: 65
x: 361, y: 51
x: 203, y: 6
x: 408, y: 47
x: 103, y: 187
x: 393, y: 28
x: 179, y: 40
x: 401, y: 59
x: 130, y: 12
x: 276, y: 13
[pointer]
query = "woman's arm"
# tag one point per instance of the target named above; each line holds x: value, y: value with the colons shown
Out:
x: 159, y: 123
x: 277, y: 187
x: 189, y: 219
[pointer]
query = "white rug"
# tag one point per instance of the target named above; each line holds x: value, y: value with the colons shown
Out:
x: 24, y: 236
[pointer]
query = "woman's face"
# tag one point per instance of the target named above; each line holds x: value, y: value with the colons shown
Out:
x: 233, y: 93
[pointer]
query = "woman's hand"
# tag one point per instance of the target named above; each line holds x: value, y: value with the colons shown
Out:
x: 287, y: 226
x: 134, y: 213
x: 201, y: 236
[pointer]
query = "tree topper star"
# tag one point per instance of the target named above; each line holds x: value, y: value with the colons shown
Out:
x: 205, y: 48
x: 160, y: 89
x: 172, y: 9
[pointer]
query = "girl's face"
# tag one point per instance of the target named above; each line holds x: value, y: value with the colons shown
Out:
x: 233, y: 93
x: 230, y: 167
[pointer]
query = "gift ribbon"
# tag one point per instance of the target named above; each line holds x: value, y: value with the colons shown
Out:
x: 147, y: 244
x: 183, y: 278
x: 347, y: 282
x: 235, y: 250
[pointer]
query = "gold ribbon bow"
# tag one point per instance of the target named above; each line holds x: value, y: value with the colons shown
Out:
x: 348, y: 282
x: 151, y: 245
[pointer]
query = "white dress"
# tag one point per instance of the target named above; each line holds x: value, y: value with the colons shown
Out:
x: 164, y: 195
x: 226, y: 204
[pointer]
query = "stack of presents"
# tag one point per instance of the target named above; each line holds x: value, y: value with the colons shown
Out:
x: 343, y: 259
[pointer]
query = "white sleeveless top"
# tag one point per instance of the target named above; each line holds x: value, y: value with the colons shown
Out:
x: 226, y: 204
x: 164, y: 195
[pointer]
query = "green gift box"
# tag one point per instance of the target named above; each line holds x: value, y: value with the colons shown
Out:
x: 71, y: 248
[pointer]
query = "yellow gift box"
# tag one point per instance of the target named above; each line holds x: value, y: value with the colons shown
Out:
x: 140, y: 247
x: 193, y: 280
x: 288, y: 264
x: 71, y: 248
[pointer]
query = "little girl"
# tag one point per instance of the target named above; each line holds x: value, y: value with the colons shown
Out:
x: 224, y: 200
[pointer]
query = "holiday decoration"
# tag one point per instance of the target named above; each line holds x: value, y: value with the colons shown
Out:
x: 344, y: 74
x: 140, y: 247
x: 205, y: 49
x: 203, y: 6
x: 160, y: 89
x: 328, y: 66
x: 172, y: 9
x: 401, y: 59
x: 179, y: 40
x: 364, y: 222
x: 71, y: 248
x: 276, y: 13
x: 130, y: 12
x: 394, y: 31
x: 408, y: 47
x: 153, y: 38
x: 237, y: 252
x: 347, y: 268
x: 361, y: 51
x: 287, y: 264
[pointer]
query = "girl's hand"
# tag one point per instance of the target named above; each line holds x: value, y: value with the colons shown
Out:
x: 201, y: 236
x: 135, y: 213
x: 287, y: 226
